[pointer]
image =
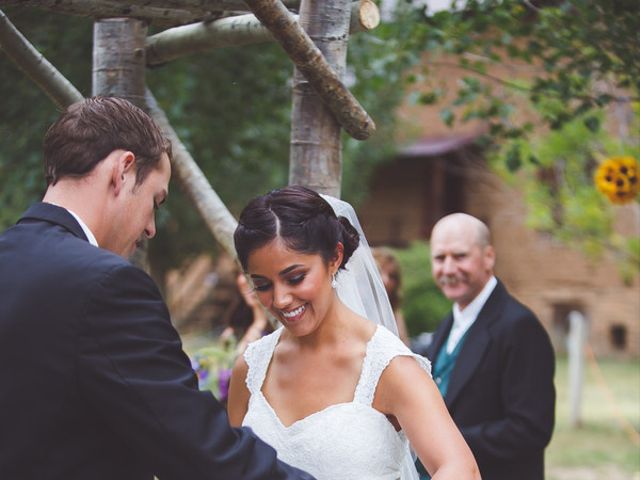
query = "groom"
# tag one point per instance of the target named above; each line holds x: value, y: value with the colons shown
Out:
x: 94, y: 382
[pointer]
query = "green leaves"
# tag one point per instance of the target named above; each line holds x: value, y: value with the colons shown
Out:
x: 579, y: 52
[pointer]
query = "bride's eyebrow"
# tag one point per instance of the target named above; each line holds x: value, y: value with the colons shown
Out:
x: 289, y: 269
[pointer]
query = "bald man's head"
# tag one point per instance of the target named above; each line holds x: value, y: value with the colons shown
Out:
x: 462, y: 258
x: 465, y: 224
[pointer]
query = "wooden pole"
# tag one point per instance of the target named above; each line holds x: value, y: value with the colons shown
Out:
x: 238, y: 30
x: 315, y: 158
x: 575, y: 344
x: 119, y: 71
x: 119, y: 59
x: 215, y: 214
x: 171, y: 12
x: 35, y: 66
x: 328, y: 25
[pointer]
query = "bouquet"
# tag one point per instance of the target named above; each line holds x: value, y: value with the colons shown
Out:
x: 213, y: 366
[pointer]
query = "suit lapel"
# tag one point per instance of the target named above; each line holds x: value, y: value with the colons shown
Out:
x: 477, y: 341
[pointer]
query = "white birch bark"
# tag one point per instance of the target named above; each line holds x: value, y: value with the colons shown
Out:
x: 235, y: 31
x: 119, y: 71
x: 165, y: 11
x: 309, y: 59
x: 119, y: 59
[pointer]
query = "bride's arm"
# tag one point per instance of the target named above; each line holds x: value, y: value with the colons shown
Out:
x: 408, y: 393
x: 238, y: 400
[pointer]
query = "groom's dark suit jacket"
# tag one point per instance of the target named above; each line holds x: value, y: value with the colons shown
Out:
x: 93, y: 380
x: 501, y: 392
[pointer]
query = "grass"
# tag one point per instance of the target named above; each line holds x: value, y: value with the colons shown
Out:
x: 604, y: 446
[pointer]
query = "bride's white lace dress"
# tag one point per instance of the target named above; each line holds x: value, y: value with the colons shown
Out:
x: 346, y: 441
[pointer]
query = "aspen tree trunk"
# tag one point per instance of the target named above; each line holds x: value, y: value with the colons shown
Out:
x: 119, y: 59
x: 315, y: 158
x: 119, y: 71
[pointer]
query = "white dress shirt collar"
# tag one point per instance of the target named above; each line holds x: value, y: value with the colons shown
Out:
x: 90, y: 236
x: 463, y: 319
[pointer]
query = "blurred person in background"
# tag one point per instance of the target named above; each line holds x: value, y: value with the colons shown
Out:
x: 391, y: 274
x: 248, y: 321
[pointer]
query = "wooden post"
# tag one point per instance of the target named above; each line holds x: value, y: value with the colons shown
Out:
x: 575, y: 346
x: 119, y: 65
x: 315, y: 157
x: 119, y: 59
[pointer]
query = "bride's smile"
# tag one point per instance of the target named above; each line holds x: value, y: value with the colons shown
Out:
x: 295, y: 287
x: 294, y: 314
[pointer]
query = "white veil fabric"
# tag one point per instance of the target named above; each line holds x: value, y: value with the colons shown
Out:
x: 360, y: 288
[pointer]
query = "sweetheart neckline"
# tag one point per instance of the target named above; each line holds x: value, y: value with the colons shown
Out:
x: 328, y: 408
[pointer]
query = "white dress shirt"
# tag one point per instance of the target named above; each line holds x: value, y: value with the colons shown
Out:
x: 90, y: 236
x: 463, y: 319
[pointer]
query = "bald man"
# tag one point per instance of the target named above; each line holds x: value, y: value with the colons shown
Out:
x: 492, y: 359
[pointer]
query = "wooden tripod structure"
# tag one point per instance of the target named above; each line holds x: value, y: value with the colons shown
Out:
x: 314, y: 33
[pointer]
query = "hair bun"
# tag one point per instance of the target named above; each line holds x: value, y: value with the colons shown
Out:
x: 350, y: 239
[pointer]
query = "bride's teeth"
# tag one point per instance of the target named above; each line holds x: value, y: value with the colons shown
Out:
x: 293, y: 313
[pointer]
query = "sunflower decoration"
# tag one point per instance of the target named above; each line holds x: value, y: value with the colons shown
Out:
x: 617, y: 178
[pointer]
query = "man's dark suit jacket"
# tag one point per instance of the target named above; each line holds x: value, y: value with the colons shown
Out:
x: 501, y: 392
x: 93, y: 380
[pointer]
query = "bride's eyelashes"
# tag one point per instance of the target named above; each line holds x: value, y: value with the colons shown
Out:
x: 261, y: 287
x: 292, y: 280
x: 296, y: 279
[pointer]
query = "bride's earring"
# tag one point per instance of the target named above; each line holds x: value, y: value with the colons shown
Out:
x: 334, y: 284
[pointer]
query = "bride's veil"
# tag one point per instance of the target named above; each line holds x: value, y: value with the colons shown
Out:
x: 361, y: 289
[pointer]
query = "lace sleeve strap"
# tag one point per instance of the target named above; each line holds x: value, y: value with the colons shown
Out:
x: 382, y: 348
x: 258, y: 356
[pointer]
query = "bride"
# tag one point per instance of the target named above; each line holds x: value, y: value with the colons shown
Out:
x: 334, y: 391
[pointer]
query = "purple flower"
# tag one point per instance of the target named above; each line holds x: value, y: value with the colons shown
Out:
x: 203, y: 374
x: 224, y: 377
x: 195, y: 364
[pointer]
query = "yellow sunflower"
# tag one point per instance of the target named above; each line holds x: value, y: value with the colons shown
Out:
x: 617, y: 178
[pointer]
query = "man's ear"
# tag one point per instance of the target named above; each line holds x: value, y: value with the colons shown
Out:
x: 123, y: 170
x: 489, y: 258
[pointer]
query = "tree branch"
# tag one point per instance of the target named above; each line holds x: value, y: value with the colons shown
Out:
x: 310, y: 61
x: 172, y: 11
x: 35, y: 65
x: 215, y: 214
x: 234, y: 31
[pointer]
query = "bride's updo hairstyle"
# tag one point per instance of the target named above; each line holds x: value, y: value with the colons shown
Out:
x: 301, y: 218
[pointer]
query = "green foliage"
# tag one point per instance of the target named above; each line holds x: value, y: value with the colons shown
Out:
x: 557, y: 181
x: 583, y: 55
x: 27, y: 112
x: 423, y: 305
